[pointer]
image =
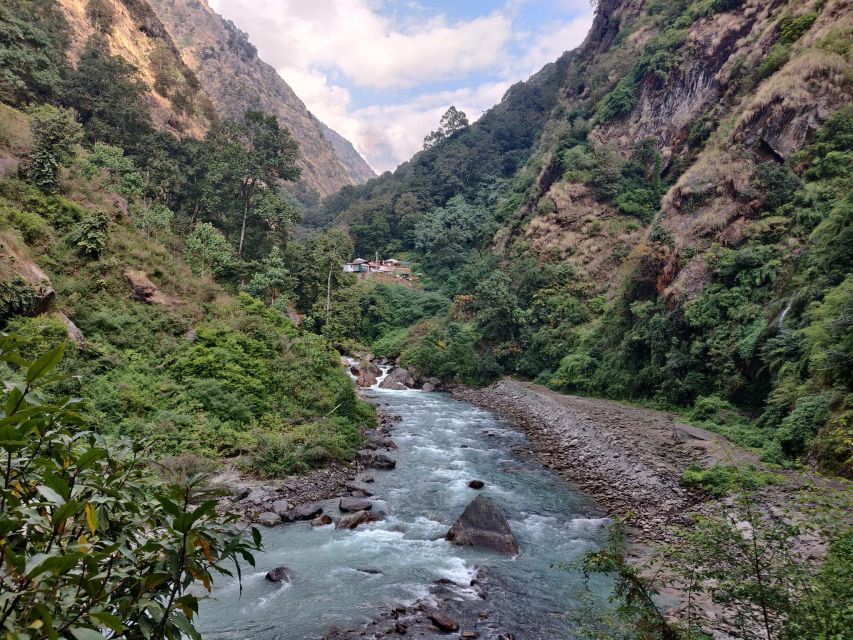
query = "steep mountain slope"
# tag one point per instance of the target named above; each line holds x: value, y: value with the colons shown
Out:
x: 131, y: 30
x: 351, y: 159
x: 231, y: 73
x: 677, y: 227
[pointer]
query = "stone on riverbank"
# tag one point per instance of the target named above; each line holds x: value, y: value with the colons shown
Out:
x: 443, y: 621
x: 269, y: 519
x: 483, y: 524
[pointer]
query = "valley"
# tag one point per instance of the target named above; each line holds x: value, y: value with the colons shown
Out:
x: 579, y: 367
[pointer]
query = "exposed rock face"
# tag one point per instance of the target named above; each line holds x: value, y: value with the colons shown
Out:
x: 73, y: 332
x: 177, y: 103
x: 236, y: 80
x: 483, y: 524
x: 143, y: 290
x: 280, y: 574
x: 356, y: 166
x: 15, y: 262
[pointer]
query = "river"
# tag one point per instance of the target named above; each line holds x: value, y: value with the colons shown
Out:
x: 443, y: 444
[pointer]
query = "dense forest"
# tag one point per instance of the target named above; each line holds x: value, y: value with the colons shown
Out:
x: 662, y: 216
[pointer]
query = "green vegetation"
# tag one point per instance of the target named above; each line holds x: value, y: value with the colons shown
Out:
x: 92, y: 543
x: 743, y: 559
x: 721, y: 480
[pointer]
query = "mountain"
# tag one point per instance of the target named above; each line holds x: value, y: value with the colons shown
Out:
x: 237, y: 80
x: 130, y: 29
x: 352, y: 160
x: 661, y: 215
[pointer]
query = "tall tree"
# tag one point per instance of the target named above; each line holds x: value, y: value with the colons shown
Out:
x: 452, y: 121
x: 262, y: 152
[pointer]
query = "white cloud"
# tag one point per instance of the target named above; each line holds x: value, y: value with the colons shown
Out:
x: 325, y: 49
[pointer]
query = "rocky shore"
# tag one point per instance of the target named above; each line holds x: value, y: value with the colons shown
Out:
x: 630, y: 460
x: 292, y: 498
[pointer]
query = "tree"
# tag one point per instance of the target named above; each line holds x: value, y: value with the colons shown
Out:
x: 93, y: 545
x: 261, y: 153
x: 207, y: 251
x: 452, y: 121
x: 55, y: 132
x: 272, y: 282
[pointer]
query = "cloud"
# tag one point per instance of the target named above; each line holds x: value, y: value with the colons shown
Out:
x: 399, y: 66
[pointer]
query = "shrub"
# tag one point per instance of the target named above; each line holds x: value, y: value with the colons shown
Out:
x: 619, y: 102
x: 90, y: 235
x: 721, y: 480
x: 282, y: 449
x: 208, y: 252
x: 17, y: 298
x: 55, y: 132
x: 75, y: 505
x: 797, y: 430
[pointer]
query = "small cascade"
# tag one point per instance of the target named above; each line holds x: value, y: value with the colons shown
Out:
x: 384, y: 370
x: 782, y: 315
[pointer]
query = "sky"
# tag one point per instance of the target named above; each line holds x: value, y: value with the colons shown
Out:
x: 382, y: 72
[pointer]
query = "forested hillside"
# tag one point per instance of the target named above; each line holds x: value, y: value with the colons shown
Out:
x: 165, y: 263
x: 662, y: 215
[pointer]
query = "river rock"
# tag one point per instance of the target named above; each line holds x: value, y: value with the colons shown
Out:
x: 355, y: 504
x: 402, y: 376
x: 280, y: 574
x: 281, y: 507
x: 370, y: 458
x: 476, y: 484
x: 428, y: 386
x: 322, y: 521
x: 303, y: 512
x: 366, y: 379
x: 443, y: 621
x: 269, y: 519
x: 353, y: 488
x: 353, y: 520
x: 370, y: 570
x: 392, y: 385
x: 483, y: 524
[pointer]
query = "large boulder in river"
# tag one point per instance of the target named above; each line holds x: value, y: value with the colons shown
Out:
x: 392, y: 385
x: 279, y: 574
x: 483, y: 524
x: 355, y: 504
x: 402, y: 376
x: 366, y: 379
x: 353, y: 520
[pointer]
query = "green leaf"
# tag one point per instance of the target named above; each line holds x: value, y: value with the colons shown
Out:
x: 45, y: 364
x: 81, y: 633
x: 108, y: 620
x: 50, y: 494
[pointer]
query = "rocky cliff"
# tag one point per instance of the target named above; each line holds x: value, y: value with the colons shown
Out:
x: 236, y: 80
x: 131, y: 30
